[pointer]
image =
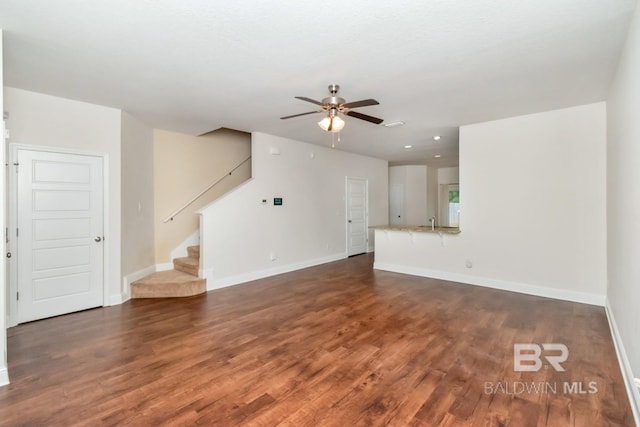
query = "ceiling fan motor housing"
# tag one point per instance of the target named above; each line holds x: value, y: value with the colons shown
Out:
x: 332, y: 101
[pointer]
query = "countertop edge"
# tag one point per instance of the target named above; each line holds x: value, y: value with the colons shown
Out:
x: 416, y: 229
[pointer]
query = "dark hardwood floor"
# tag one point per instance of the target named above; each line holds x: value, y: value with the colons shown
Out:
x: 337, y: 345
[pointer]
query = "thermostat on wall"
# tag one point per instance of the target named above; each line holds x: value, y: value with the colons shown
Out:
x: 277, y: 201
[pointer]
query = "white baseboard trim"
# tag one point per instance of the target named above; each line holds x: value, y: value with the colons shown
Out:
x: 630, y: 382
x: 206, y: 274
x: 213, y: 283
x: 504, y: 285
x: 130, y: 278
x: 164, y: 267
x: 116, y: 299
x: 4, y: 376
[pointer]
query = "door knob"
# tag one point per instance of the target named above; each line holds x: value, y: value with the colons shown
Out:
x: 98, y: 239
x: 349, y: 221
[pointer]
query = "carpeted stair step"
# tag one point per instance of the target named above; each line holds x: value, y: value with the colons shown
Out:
x: 187, y: 265
x: 168, y: 284
x: 194, y: 251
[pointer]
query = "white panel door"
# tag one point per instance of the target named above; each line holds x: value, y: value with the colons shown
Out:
x: 357, y: 231
x: 396, y: 201
x: 60, y: 233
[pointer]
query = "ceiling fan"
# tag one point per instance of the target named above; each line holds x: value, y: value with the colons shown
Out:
x: 334, y: 105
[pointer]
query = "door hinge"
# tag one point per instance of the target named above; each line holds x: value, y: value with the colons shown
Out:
x: 17, y: 232
x: 16, y: 165
x: 6, y: 234
x: 18, y: 296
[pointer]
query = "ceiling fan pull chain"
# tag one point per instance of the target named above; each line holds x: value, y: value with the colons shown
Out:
x: 333, y: 139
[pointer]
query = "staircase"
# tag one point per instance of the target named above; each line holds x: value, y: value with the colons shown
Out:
x: 182, y: 281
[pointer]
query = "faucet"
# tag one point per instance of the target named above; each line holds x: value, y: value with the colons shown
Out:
x: 432, y: 220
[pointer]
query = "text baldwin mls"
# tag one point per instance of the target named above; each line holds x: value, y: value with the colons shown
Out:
x: 540, y: 387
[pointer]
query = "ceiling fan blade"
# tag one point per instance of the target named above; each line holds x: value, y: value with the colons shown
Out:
x: 363, y: 103
x: 301, y: 114
x: 364, y: 117
x: 313, y: 101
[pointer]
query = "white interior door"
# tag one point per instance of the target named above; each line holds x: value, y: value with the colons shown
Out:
x: 59, y: 233
x: 357, y: 229
x: 396, y: 201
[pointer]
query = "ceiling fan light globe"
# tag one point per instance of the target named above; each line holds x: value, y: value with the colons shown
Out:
x: 338, y: 124
x: 331, y: 124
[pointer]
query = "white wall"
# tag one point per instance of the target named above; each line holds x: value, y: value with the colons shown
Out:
x: 413, y: 179
x: 449, y: 175
x: 623, y: 198
x: 137, y: 196
x: 44, y: 120
x: 540, y: 230
x: 239, y: 234
x: 4, y: 375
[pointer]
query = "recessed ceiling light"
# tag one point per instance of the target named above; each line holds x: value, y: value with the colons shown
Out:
x: 437, y: 156
x: 393, y: 124
x: 408, y: 146
x: 437, y: 138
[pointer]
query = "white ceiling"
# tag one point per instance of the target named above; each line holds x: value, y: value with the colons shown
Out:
x: 195, y: 65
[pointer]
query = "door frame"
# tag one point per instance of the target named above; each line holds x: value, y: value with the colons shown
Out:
x: 443, y: 203
x: 14, y: 147
x: 346, y: 211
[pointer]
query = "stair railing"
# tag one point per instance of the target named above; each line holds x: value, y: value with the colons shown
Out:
x: 200, y: 194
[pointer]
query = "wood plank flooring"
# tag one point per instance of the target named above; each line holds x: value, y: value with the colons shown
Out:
x: 334, y: 345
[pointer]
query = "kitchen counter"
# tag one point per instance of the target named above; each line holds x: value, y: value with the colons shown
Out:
x: 417, y: 229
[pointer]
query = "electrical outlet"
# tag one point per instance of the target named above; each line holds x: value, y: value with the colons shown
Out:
x: 469, y: 264
x: 273, y: 256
